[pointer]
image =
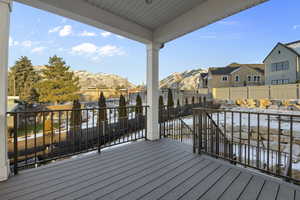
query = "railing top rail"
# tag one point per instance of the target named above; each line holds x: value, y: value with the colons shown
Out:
x: 244, y: 112
x: 65, y: 110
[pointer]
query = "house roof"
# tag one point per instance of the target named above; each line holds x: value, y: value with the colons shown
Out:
x: 231, y: 68
x: 295, y: 46
x: 222, y: 70
x: 290, y: 46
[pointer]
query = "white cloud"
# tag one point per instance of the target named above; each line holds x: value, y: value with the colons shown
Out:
x: 87, y: 34
x: 296, y: 27
x: 88, y: 48
x: 106, y: 34
x: 38, y: 50
x: 110, y: 50
x: 55, y: 29
x: 96, y: 52
x: 65, y: 31
x: 26, y: 43
x: 13, y: 42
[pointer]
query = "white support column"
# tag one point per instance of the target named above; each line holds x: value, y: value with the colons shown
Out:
x: 152, y: 90
x: 5, y: 8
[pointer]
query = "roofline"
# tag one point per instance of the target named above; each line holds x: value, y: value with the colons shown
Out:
x: 298, y: 41
x: 284, y: 45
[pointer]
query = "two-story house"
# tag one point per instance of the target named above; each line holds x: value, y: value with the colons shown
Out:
x: 236, y: 75
x: 283, y: 64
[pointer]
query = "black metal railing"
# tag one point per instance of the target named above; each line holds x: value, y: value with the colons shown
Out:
x: 174, y: 121
x: 42, y: 136
x: 263, y: 141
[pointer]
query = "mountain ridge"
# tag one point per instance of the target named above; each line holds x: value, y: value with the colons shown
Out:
x: 186, y: 80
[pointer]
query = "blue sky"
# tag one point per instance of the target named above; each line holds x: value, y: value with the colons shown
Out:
x: 246, y: 37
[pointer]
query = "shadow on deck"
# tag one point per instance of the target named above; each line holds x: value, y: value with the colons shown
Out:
x: 162, y: 169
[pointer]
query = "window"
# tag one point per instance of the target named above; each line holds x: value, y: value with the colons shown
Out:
x: 281, y: 66
x: 280, y: 81
x: 249, y: 78
x: 224, y: 78
x: 274, y: 82
x: 256, y: 78
x: 237, y: 78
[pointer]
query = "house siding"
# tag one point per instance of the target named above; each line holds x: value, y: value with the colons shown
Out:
x: 276, y: 57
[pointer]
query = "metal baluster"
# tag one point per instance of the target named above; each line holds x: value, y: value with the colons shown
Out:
x: 257, y: 144
x: 16, y: 152
x: 59, y: 128
x: 249, y: 135
x: 98, y: 131
x: 26, y: 142
x: 146, y: 116
x: 35, y: 132
x: 44, y: 139
x: 232, y: 130
x: 279, y: 148
x: 268, y: 144
x: 93, y: 135
x: 87, y: 130
x: 200, y: 132
x: 291, y: 149
x: 67, y: 132
x: 80, y: 139
x: 240, y: 139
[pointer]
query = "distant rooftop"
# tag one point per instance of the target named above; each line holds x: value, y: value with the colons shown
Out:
x: 232, y: 67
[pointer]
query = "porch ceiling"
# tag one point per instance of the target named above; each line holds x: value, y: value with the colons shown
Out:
x: 160, y: 21
x: 152, y: 15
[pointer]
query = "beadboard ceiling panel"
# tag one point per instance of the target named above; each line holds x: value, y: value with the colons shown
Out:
x: 152, y: 15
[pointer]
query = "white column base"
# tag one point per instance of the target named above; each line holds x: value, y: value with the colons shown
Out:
x: 4, y: 171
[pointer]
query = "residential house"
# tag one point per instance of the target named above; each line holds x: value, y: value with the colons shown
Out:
x: 203, y: 80
x: 282, y: 64
x: 236, y: 75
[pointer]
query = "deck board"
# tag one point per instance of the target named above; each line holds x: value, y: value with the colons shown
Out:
x: 145, y: 170
x: 269, y: 191
x: 237, y: 187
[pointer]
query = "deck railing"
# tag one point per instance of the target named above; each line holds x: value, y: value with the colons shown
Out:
x: 173, y: 121
x: 42, y: 136
x: 268, y: 142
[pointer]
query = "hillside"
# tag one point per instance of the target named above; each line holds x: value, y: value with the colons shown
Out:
x: 187, y: 80
x: 102, y: 80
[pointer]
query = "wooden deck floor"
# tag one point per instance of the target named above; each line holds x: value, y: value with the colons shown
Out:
x: 145, y: 170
